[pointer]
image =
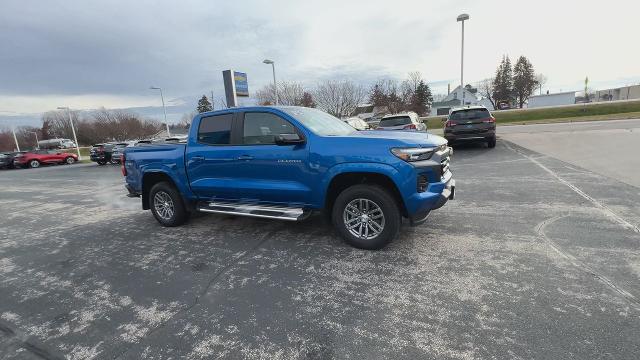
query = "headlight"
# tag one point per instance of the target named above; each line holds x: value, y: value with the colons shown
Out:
x: 413, y: 154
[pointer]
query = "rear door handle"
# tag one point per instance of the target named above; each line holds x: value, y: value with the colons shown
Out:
x: 197, y: 158
x: 245, y: 157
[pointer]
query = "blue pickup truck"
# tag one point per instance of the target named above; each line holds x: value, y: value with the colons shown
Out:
x: 286, y: 162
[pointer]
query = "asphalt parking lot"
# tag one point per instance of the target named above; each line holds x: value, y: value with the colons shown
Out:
x: 536, y: 258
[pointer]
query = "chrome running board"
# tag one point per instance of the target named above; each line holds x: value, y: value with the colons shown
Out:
x: 254, y: 210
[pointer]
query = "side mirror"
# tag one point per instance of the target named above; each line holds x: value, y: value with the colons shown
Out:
x: 289, y: 139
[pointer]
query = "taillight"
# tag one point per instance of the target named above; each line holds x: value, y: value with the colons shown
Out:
x: 450, y: 123
x: 122, y: 167
x: 489, y: 120
x: 410, y: 126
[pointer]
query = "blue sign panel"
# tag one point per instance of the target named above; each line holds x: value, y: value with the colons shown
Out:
x: 241, y: 84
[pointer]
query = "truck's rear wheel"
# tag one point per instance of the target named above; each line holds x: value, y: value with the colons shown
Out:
x: 366, y: 216
x: 166, y: 205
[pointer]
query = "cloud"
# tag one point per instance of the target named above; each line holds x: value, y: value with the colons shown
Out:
x: 87, y: 54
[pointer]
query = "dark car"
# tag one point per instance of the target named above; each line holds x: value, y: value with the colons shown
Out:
x: 117, y: 151
x: 101, y: 153
x: 6, y: 159
x: 470, y: 123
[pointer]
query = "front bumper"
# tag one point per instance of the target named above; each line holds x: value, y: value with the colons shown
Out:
x: 435, y: 197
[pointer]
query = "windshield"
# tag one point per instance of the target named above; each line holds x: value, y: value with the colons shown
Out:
x: 471, y: 114
x: 320, y: 122
x: 395, y: 121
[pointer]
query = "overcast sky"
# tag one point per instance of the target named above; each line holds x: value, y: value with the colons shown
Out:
x: 87, y: 54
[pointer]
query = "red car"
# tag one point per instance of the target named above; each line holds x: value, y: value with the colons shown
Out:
x: 38, y: 157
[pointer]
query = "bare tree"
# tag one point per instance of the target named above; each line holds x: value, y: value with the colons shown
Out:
x: 541, y: 79
x: 100, y: 126
x: 339, y: 98
x: 185, y: 120
x: 486, y: 89
x: 413, y: 80
x: 289, y: 93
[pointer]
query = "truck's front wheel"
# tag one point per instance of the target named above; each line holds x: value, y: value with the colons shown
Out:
x: 166, y: 205
x: 366, y: 216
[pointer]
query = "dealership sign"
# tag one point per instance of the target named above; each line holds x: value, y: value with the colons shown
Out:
x: 235, y: 84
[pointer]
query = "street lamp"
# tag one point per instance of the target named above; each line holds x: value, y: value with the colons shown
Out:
x: 462, y: 18
x: 273, y: 67
x: 163, y: 108
x: 73, y: 129
x: 13, y: 130
x: 36, y: 134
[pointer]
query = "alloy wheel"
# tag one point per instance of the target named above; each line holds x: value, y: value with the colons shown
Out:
x: 163, y: 205
x: 363, y: 218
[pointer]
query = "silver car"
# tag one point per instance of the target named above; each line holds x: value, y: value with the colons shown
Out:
x: 357, y: 123
x: 407, y: 122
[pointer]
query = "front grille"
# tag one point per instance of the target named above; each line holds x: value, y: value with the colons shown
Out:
x: 444, y: 165
x: 422, y: 183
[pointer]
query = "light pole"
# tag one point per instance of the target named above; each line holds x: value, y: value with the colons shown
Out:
x: 13, y: 130
x: 273, y: 67
x: 462, y: 18
x: 163, y: 108
x: 15, y: 138
x: 36, y: 134
x: 73, y: 129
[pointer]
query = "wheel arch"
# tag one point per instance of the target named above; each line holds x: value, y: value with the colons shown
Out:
x: 343, y: 180
x: 149, y: 179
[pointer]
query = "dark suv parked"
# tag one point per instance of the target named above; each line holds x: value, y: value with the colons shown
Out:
x: 101, y: 153
x: 470, y: 123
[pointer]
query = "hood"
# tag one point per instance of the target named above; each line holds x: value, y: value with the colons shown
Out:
x: 409, y: 138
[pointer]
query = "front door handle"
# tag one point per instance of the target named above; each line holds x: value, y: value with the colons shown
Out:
x: 197, y: 158
x: 245, y: 157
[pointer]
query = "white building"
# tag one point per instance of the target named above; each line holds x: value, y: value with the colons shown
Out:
x: 621, y: 93
x: 455, y: 99
x: 563, y: 98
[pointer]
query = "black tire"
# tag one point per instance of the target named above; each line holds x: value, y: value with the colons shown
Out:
x: 491, y: 142
x: 102, y: 163
x: 379, y: 197
x: 69, y: 160
x: 34, y: 164
x: 173, y: 201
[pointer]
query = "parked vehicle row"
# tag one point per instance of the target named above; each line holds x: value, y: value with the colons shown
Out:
x: 110, y: 153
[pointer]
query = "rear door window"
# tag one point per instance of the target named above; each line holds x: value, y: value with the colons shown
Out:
x: 262, y: 128
x: 215, y: 130
x: 395, y: 121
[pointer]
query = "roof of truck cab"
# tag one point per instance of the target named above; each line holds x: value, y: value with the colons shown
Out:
x: 251, y: 108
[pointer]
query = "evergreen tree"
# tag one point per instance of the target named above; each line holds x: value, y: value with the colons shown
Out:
x: 503, y: 82
x: 422, y: 99
x: 307, y: 100
x: 524, y: 80
x: 45, y: 131
x: 204, y: 105
x: 377, y: 97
